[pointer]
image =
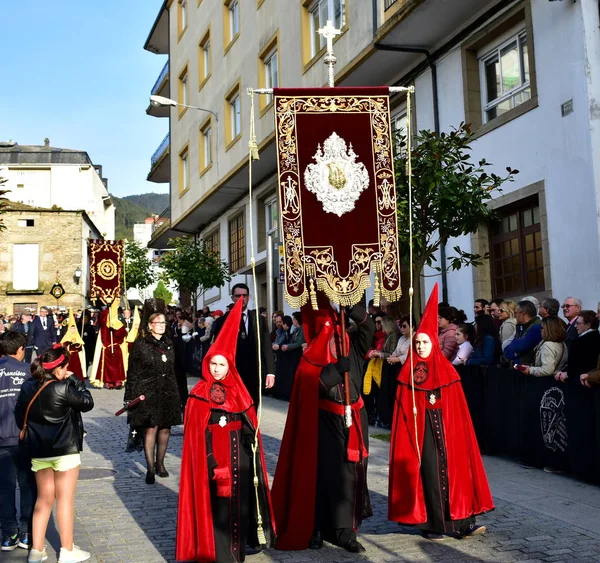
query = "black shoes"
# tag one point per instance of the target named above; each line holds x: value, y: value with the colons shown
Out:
x: 473, y: 530
x: 316, y: 542
x: 161, y: 471
x: 353, y: 546
x: 431, y: 536
x: 149, y: 477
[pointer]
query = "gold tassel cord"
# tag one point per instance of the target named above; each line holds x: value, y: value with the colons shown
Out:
x: 253, y: 155
x: 410, y: 251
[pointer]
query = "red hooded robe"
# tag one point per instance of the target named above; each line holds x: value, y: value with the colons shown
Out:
x: 195, y: 529
x: 469, y: 492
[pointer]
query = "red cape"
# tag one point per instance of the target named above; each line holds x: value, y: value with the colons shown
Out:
x: 295, y: 483
x: 195, y: 530
x: 469, y: 490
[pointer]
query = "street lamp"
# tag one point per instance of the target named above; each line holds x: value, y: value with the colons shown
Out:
x: 159, y: 101
x: 77, y: 274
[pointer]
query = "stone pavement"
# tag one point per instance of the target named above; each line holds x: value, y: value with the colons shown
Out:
x: 120, y: 519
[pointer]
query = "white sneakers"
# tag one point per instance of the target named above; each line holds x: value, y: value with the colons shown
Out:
x: 36, y: 556
x: 74, y: 556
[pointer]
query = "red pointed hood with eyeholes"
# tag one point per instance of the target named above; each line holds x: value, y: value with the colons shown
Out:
x: 439, y: 371
x: 237, y: 398
x: 469, y: 492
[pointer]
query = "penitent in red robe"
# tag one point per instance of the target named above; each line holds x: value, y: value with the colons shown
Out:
x: 111, y: 364
x: 442, y: 409
x: 217, y: 514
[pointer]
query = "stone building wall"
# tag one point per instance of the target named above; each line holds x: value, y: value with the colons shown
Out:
x: 60, y: 236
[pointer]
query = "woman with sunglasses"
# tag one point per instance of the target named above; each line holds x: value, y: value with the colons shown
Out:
x: 152, y: 374
x: 508, y: 328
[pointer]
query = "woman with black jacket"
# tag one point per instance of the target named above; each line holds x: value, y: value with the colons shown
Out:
x: 53, y: 437
x: 152, y: 373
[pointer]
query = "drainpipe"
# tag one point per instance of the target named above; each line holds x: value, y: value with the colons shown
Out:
x: 436, y: 127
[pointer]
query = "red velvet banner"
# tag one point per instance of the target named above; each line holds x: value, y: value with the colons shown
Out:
x: 106, y: 259
x: 337, y: 193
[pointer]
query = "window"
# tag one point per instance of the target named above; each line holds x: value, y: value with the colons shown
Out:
x: 516, y: 251
x: 205, y: 146
x: 231, y: 23
x: 268, y: 72
x: 181, y: 17
x: 504, y: 76
x: 499, y: 70
x: 319, y: 13
x: 233, y: 116
x: 271, y: 216
x: 237, y: 243
x: 183, y: 93
x: 25, y: 222
x: 204, y: 60
x: 26, y: 266
x: 212, y: 242
x: 184, y: 170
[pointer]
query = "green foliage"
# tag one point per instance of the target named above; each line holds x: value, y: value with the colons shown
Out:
x: 3, y: 201
x: 138, y: 267
x: 193, y: 268
x: 133, y: 209
x: 449, y: 196
x: 161, y: 292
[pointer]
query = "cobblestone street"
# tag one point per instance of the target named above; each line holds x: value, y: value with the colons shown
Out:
x: 538, y: 516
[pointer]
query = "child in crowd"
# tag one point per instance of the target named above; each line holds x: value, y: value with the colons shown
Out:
x: 464, y: 336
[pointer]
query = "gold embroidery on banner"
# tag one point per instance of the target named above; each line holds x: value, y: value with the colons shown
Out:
x: 304, y: 263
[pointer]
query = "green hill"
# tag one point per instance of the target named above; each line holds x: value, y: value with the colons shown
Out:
x: 133, y: 209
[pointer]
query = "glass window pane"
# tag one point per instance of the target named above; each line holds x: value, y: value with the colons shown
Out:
x: 521, y: 97
x: 536, y: 214
x: 529, y: 243
x: 514, y: 246
x: 527, y: 218
x: 499, y: 286
x: 511, y: 74
x: 538, y: 239
x: 323, y: 17
x: 524, y: 58
x: 513, y: 222
x: 516, y: 264
x: 492, y: 79
x: 531, y: 278
x: 539, y: 260
x: 540, y: 278
x: 530, y: 259
x: 507, y: 266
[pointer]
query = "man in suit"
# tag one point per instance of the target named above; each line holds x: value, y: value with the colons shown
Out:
x: 571, y: 308
x: 127, y: 320
x: 246, y: 359
x: 23, y: 325
x: 42, y: 333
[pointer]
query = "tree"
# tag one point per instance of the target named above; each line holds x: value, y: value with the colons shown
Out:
x: 193, y: 268
x: 161, y: 292
x: 138, y: 269
x: 449, y: 197
x: 3, y: 201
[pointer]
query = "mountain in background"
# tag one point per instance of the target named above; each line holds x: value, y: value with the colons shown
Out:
x: 133, y: 209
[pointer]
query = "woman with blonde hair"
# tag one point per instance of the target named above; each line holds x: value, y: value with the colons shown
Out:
x: 551, y: 352
x: 508, y: 328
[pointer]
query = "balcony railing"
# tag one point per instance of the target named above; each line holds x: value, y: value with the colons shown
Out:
x: 388, y: 4
x: 160, y: 150
x: 160, y: 78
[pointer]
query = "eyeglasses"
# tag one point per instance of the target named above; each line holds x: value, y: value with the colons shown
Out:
x: 378, y: 322
x: 404, y: 326
x: 503, y: 310
x: 158, y: 323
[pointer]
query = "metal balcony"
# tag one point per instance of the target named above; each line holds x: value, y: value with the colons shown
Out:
x: 160, y: 163
x: 161, y: 88
x: 388, y: 4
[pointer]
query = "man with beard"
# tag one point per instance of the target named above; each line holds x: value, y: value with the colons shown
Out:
x: 320, y: 486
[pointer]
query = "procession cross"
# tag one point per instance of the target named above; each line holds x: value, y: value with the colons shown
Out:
x: 329, y: 32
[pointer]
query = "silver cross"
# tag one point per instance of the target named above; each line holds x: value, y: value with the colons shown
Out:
x: 329, y: 33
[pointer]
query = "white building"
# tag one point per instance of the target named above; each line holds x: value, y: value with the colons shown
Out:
x: 524, y: 73
x: 48, y: 177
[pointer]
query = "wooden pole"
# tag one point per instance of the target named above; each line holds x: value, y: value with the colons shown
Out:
x: 347, y: 407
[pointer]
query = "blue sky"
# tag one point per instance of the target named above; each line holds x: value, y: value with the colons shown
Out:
x: 75, y: 71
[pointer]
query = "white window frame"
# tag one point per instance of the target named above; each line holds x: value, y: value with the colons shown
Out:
x: 317, y: 9
x: 236, y: 118
x: 234, y: 19
x: 496, y: 53
x: 183, y: 8
x: 271, y: 62
x: 271, y: 221
x: 206, y: 58
x: 207, y: 141
x: 26, y: 262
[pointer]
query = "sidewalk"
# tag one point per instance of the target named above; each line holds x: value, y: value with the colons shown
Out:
x: 120, y: 519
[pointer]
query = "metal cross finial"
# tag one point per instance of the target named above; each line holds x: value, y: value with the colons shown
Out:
x: 329, y: 33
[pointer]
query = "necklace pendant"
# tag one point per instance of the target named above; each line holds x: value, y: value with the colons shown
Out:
x: 164, y: 358
x: 432, y: 399
x: 222, y: 421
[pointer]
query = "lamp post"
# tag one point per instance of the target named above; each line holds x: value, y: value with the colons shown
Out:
x: 77, y: 275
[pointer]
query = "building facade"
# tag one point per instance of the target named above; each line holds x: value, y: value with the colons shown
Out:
x: 49, y: 177
x: 39, y: 248
x: 523, y: 73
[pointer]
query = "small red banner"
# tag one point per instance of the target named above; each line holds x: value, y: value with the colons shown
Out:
x: 106, y: 261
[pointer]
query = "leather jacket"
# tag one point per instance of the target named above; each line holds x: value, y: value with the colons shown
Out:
x: 54, y: 424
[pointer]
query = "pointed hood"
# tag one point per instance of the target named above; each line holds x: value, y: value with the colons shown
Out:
x: 72, y: 334
x: 135, y: 326
x: 435, y: 371
x: 235, y: 397
x: 112, y: 320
